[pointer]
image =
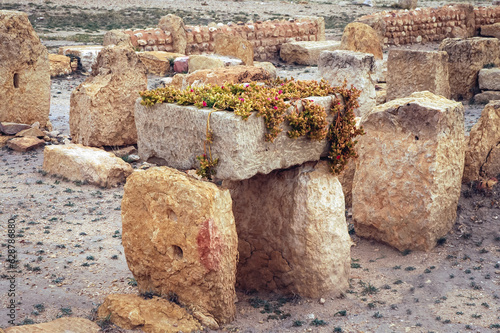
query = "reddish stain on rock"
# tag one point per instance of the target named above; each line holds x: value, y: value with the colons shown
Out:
x: 209, y: 245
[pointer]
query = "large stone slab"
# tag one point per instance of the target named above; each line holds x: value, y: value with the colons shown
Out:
x: 466, y: 58
x: 180, y: 238
x: 306, y: 53
x: 409, y: 71
x: 59, y: 65
x: 357, y: 69
x: 201, y: 62
x: 102, y: 107
x: 486, y: 96
x: 483, y: 140
x: 158, y: 62
x: 173, y: 135
x: 24, y: 71
x: 234, y: 46
x: 292, y: 232
x: 86, y: 53
x: 489, y: 79
x: 61, y: 325
x: 23, y: 144
x: 86, y: 164
x: 408, y: 175
x: 148, y: 315
x: 491, y: 30
x: 363, y: 38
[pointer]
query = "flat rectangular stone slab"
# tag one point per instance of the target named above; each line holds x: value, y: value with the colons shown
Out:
x: 306, y: 53
x: 173, y: 135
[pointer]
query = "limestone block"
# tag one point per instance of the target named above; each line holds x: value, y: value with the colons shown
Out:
x: 24, y: 71
x: 407, y: 4
x: 92, y: 165
x: 158, y: 62
x: 361, y: 37
x: 220, y: 76
x: 408, y: 174
x: 59, y: 65
x: 61, y: 325
x: 483, y: 140
x: 268, y: 67
x: 173, y: 135
x: 87, y: 54
x: 180, y: 238
x: 486, y: 96
x: 117, y: 37
x: 355, y: 67
x: 381, y: 69
x: 489, y: 79
x: 197, y: 62
x: 410, y: 71
x: 306, y: 53
x: 234, y: 46
x: 148, y: 315
x: 491, y: 30
x: 301, y: 248
x: 175, y: 26
x: 466, y: 58
x: 25, y: 143
x: 102, y: 107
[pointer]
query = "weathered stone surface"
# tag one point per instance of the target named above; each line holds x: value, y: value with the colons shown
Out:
x: 87, y: 54
x: 179, y: 237
x: 346, y: 178
x: 158, y: 62
x: 381, y: 69
x: 175, y: 134
x: 408, y: 175
x: 117, y: 37
x: 491, y: 30
x: 466, y: 58
x: 355, y: 67
x: 59, y: 65
x: 410, y: 71
x: 361, y: 37
x: 201, y: 62
x: 234, y: 46
x: 25, y: 143
x: 12, y: 128
x: 32, y: 131
x: 61, y: 325
x: 378, y: 23
x: 220, y: 76
x: 4, y: 139
x: 149, y: 315
x: 486, y: 96
x: 489, y: 79
x: 407, y: 4
x: 24, y: 71
x: 301, y: 248
x: 306, y: 53
x: 268, y: 67
x: 381, y: 92
x: 102, y: 107
x: 181, y: 64
x: 484, y: 138
x: 92, y: 165
x: 175, y: 25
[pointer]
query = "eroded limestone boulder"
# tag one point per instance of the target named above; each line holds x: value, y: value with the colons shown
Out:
x: 179, y: 238
x: 487, y: 96
x: 102, y: 107
x: 361, y: 37
x: 466, y: 58
x: 203, y: 62
x: 268, y: 67
x: 148, y: 315
x: 489, y: 79
x: 175, y: 25
x: 491, y: 30
x: 117, y: 37
x: 234, y: 46
x: 482, y: 147
x: 24, y: 71
x: 61, y: 325
x: 409, y: 71
x: 408, y: 174
x: 23, y: 144
x: 306, y: 53
x: 59, y: 65
x: 357, y: 68
x: 407, y: 4
x: 292, y: 231
x: 85, y: 164
x: 158, y: 62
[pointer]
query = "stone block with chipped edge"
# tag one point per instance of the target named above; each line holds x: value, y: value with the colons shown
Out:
x: 489, y: 79
x: 306, y: 53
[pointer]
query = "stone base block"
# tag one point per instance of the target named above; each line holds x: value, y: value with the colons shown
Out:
x: 306, y: 53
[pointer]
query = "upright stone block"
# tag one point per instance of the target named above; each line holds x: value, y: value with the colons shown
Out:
x: 175, y: 25
x: 234, y: 46
x: 292, y: 231
x: 361, y: 37
x: 410, y: 71
x: 357, y: 69
x: 466, y: 58
x: 180, y: 238
x: 306, y: 53
x: 24, y: 71
x: 102, y: 107
x: 408, y: 175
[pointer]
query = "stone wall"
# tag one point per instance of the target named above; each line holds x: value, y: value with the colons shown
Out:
x: 424, y: 25
x: 266, y: 37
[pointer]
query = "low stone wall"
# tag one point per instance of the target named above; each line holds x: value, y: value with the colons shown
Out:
x: 266, y: 37
x: 423, y: 25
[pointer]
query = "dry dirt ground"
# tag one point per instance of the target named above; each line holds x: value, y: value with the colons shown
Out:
x: 68, y: 235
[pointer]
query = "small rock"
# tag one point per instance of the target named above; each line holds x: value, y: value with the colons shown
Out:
x: 54, y: 134
x: 310, y: 316
x: 36, y: 124
x: 133, y: 158
x: 207, y: 321
x: 322, y: 301
x: 33, y: 131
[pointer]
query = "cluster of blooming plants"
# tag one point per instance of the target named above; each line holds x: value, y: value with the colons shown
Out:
x: 271, y: 101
